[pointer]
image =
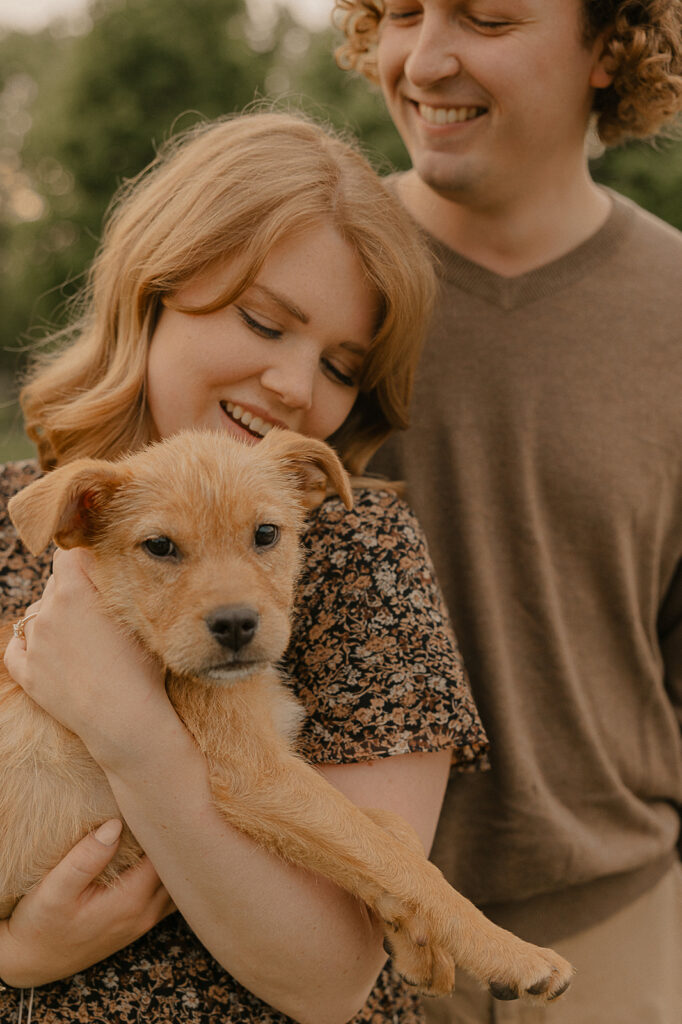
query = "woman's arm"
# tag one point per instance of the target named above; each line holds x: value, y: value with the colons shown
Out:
x: 293, y: 939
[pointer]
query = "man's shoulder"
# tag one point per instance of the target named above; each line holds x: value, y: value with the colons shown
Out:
x: 648, y: 229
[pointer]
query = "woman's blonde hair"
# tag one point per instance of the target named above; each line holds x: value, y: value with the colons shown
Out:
x: 226, y: 189
x: 643, y: 40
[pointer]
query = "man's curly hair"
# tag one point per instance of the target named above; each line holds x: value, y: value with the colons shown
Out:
x: 643, y: 44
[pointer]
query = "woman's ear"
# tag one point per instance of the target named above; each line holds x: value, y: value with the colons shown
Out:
x: 314, y: 463
x: 65, y: 505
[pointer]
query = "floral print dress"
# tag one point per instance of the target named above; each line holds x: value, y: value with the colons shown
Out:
x: 374, y: 662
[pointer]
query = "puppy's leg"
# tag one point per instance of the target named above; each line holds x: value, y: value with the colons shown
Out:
x: 414, y: 957
x: 262, y: 788
x: 430, y: 927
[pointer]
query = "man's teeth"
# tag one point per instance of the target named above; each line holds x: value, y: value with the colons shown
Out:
x: 448, y: 115
x: 254, y: 423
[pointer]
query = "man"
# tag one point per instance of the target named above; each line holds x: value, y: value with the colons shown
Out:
x: 545, y: 464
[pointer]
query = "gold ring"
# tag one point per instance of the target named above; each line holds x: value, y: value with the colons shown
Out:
x: 18, y: 627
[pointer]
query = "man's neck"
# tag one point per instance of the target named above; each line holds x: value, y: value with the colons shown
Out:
x: 512, y: 237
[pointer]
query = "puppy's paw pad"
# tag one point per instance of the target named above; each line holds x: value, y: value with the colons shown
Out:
x: 503, y: 992
x: 532, y: 973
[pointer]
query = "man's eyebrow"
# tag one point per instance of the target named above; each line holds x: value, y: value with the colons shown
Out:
x: 282, y: 301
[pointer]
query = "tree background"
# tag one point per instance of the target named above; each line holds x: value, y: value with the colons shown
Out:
x: 84, y: 104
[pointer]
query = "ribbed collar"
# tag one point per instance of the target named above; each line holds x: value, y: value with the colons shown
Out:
x: 513, y: 292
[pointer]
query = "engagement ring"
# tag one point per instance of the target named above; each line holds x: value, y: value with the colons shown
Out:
x: 18, y: 627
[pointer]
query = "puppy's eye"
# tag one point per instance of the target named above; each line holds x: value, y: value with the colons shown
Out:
x: 160, y: 547
x: 266, y: 535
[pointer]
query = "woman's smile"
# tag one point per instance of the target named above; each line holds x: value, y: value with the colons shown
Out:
x: 288, y: 352
x: 254, y: 424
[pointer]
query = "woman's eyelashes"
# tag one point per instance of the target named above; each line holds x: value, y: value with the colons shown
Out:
x: 347, y: 379
x: 341, y: 374
x: 257, y: 327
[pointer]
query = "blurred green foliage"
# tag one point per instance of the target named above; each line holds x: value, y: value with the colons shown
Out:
x: 82, y: 108
x: 83, y: 112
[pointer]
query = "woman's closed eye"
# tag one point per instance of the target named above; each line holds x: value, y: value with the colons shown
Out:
x: 263, y: 330
x: 340, y: 373
x: 338, y: 370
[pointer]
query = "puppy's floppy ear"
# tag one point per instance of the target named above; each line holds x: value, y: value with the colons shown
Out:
x: 315, y: 464
x: 65, y: 504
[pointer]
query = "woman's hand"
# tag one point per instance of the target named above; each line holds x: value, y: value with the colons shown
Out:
x: 69, y: 922
x: 76, y: 663
x: 82, y: 669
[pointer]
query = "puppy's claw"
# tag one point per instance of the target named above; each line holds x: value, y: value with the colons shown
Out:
x: 560, y: 992
x: 503, y: 992
x: 533, y: 974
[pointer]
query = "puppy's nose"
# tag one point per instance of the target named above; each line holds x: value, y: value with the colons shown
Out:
x: 233, y: 627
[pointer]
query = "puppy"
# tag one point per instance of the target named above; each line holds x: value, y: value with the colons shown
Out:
x: 197, y: 555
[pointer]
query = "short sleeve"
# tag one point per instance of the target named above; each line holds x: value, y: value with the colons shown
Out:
x: 372, y: 654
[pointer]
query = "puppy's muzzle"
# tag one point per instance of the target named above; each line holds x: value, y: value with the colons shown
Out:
x: 233, y: 626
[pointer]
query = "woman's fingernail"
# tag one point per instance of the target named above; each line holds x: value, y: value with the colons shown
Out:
x: 108, y: 833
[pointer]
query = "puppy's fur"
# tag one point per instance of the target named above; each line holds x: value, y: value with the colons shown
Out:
x: 196, y: 545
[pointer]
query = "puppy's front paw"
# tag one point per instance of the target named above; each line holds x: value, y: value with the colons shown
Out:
x: 532, y: 973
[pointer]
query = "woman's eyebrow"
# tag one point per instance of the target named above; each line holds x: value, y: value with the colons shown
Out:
x: 282, y: 301
x: 355, y: 347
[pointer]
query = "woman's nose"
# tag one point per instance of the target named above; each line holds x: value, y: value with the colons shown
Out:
x: 291, y: 380
x: 435, y: 54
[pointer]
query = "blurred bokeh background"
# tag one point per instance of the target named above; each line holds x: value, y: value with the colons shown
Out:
x: 88, y: 89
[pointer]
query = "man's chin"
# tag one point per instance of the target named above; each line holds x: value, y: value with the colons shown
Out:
x: 451, y: 180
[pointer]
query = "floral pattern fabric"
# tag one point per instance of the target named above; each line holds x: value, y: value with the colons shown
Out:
x: 375, y: 664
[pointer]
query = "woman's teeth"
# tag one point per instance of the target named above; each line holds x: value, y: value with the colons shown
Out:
x: 448, y: 115
x: 252, y: 423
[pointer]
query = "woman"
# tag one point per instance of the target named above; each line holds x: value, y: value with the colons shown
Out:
x: 257, y: 273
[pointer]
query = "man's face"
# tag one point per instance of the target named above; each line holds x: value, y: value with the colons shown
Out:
x: 490, y: 96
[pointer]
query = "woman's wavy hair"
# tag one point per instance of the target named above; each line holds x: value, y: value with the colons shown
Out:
x: 643, y: 39
x: 227, y: 189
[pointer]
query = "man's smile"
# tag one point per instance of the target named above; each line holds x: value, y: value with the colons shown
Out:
x: 448, y: 115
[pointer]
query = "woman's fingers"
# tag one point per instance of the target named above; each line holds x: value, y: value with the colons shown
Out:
x: 14, y: 657
x: 144, y: 881
x: 82, y: 865
x: 75, y: 564
x: 70, y: 921
x: 76, y: 873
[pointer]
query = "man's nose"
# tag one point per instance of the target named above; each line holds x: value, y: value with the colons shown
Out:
x: 435, y: 54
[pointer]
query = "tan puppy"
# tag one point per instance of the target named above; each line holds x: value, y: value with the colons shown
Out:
x: 196, y: 545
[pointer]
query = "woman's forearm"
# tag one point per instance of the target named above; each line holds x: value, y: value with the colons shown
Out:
x: 292, y: 938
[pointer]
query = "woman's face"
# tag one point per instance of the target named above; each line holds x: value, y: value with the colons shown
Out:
x: 287, y: 352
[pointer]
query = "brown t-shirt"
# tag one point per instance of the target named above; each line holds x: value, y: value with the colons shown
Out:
x: 374, y: 661
x: 545, y: 464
